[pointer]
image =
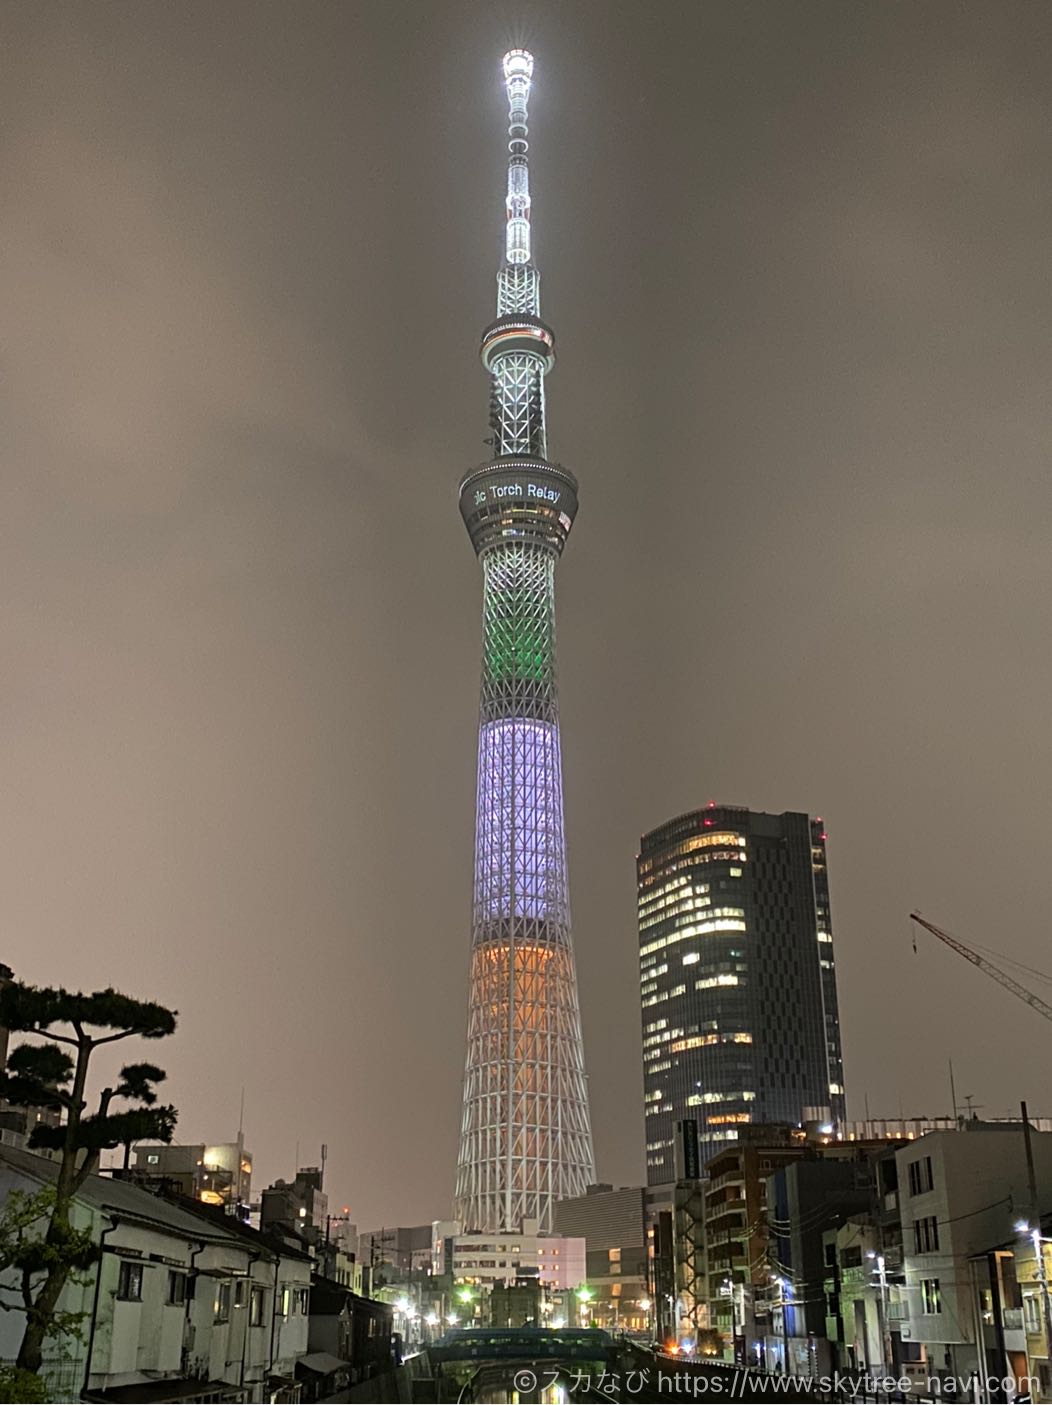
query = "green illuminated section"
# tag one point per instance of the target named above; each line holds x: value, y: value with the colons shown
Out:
x: 517, y: 647
x: 519, y: 617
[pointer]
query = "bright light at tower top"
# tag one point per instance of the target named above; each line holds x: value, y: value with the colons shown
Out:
x: 518, y: 69
x: 518, y: 63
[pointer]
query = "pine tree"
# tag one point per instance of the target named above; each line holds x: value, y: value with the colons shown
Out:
x: 44, y: 1075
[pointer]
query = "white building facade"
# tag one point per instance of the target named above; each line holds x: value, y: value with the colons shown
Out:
x: 176, y: 1299
x: 560, y: 1263
x: 959, y: 1193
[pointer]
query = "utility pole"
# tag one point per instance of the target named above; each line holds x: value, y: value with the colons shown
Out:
x: 886, y: 1350
x: 887, y: 1365
x: 1035, y: 1235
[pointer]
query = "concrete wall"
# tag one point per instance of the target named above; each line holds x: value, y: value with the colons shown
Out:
x: 979, y: 1189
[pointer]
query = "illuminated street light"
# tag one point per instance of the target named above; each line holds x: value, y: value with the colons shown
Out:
x: 886, y: 1350
x: 1036, y: 1238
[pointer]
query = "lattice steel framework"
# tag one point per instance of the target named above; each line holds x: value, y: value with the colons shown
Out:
x: 526, y: 1138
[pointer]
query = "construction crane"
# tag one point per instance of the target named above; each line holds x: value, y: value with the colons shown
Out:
x: 1034, y: 1001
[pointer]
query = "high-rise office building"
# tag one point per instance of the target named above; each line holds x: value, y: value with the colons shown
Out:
x: 526, y: 1137
x: 737, y: 981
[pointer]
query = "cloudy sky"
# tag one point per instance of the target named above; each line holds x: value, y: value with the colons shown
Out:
x: 797, y: 257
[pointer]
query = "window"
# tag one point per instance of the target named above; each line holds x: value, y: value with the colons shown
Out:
x: 926, y: 1235
x: 153, y: 1159
x: 920, y: 1176
x: 222, y: 1302
x: 286, y: 1302
x: 1031, y: 1316
x: 931, y: 1297
x: 303, y: 1294
x: 241, y: 1292
x: 257, y: 1307
x: 176, y: 1288
x: 129, y: 1282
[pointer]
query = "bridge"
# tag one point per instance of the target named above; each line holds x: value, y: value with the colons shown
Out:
x: 557, y: 1366
x: 520, y: 1364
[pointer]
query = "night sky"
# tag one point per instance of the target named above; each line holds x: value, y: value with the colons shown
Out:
x: 797, y: 261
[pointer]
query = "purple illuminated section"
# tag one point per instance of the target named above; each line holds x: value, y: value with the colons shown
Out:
x: 520, y: 858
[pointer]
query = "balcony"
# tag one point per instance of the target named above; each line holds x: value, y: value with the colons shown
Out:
x: 721, y: 1207
x: 734, y: 1177
x: 726, y: 1254
x: 726, y: 1220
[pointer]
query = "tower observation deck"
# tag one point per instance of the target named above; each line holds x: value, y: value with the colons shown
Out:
x: 526, y: 1137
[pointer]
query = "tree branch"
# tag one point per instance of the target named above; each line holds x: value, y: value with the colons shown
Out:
x: 81, y: 1174
x: 61, y: 1038
x: 112, y: 1038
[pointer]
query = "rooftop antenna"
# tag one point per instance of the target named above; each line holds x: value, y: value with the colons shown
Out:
x: 953, y: 1097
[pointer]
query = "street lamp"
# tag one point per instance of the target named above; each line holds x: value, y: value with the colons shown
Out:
x: 404, y: 1307
x: 882, y: 1309
x: 1022, y: 1227
x: 786, y: 1289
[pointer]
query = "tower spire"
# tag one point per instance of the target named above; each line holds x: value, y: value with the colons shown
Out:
x: 518, y: 71
x: 526, y: 1137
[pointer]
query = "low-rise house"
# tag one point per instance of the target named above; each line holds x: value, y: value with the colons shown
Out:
x: 349, y: 1340
x: 182, y: 1304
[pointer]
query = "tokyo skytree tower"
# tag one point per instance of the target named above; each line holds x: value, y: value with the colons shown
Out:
x: 526, y: 1137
